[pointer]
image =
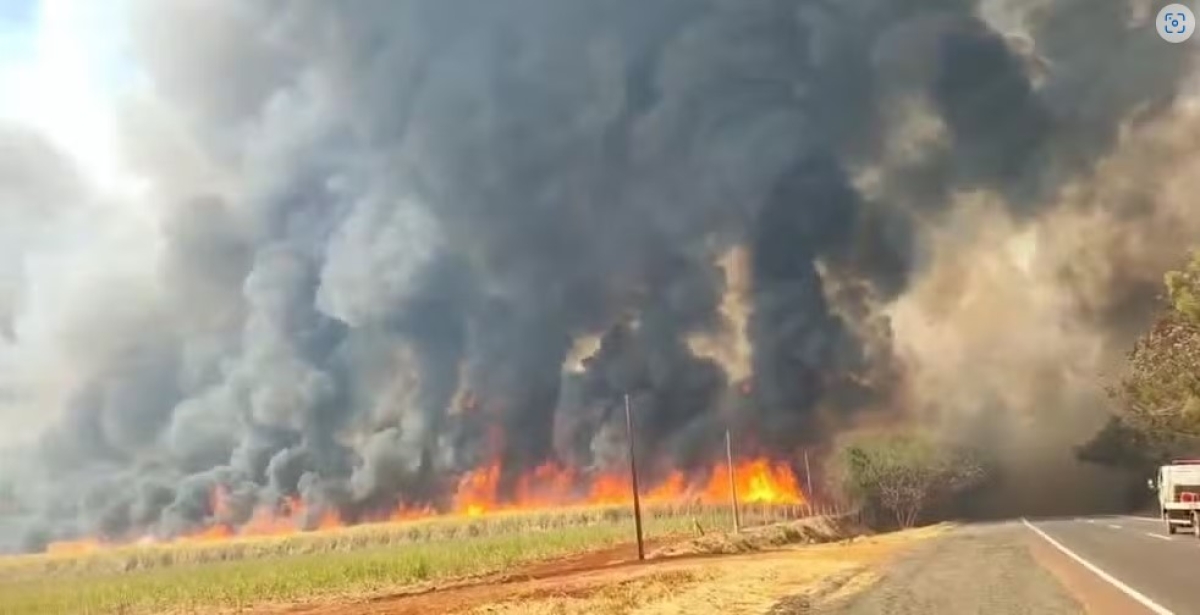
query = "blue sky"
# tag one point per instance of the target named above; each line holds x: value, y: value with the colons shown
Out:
x: 16, y: 28
x: 17, y: 11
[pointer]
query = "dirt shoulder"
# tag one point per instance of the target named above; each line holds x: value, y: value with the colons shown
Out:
x: 686, y: 578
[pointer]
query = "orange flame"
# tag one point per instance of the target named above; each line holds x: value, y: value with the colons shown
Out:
x: 479, y: 492
x: 550, y: 485
x: 288, y: 518
x: 74, y: 547
x: 213, y: 532
x: 758, y: 481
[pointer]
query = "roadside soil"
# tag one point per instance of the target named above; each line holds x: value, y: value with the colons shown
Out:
x: 992, y: 569
x: 686, y: 578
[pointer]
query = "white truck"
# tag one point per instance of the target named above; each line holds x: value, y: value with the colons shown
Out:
x: 1179, y: 495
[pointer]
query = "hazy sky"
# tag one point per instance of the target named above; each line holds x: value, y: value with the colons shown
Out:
x: 61, y: 69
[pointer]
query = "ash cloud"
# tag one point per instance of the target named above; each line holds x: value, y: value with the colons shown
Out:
x: 392, y: 222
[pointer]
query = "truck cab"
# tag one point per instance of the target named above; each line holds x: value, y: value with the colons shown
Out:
x: 1178, y: 486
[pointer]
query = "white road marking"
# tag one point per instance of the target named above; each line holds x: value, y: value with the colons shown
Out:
x: 1090, y: 520
x: 1154, y: 607
x: 1158, y: 536
x: 1115, y: 527
x: 1146, y: 519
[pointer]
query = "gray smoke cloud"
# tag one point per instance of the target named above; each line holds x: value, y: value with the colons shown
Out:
x: 386, y: 226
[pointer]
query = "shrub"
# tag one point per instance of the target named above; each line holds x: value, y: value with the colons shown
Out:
x: 900, y: 474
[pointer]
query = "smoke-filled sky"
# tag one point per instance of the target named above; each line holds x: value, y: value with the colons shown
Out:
x: 346, y: 251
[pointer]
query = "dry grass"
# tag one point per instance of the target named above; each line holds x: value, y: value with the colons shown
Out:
x: 355, y: 561
x: 814, y: 530
x: 804, y: 576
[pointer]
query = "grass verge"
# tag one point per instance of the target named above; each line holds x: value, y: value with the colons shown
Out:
x: 352, y: 562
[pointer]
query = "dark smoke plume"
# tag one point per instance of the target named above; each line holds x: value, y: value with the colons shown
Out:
x: 398, y: 222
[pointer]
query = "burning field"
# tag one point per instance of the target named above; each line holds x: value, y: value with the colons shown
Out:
x: 309, y: 270
x: 287, y: 554
x: 211, y: 571
x: 546, y: 491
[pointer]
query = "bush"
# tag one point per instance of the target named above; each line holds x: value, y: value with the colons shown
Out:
x: 900, y: 474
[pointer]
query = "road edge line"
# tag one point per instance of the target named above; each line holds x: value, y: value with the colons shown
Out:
x: 1140, y: 518
x: 1128, y: 591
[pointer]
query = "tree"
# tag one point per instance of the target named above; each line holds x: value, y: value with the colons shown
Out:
x: 1121, y: 445
x: 903, y: 474
x: 1159, y: 392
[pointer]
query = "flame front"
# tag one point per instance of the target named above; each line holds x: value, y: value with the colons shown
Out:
x: 758, y: 481
x: 71, y: 548
x: 479, y: 492
x: 550, y: 486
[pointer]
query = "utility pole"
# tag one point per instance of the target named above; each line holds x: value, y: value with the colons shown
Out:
x: 737, y: 515
x: 637, y: 500
x: 808, y: 494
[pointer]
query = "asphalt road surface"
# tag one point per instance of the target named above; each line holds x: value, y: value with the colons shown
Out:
x: 1138, y: 553
x: 1096, y: 565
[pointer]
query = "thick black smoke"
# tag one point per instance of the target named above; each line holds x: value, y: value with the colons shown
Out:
x: 419, y: 207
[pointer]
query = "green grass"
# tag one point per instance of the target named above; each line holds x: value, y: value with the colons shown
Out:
x: 356, y: 561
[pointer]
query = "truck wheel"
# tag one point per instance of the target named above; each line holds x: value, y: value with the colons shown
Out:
x: 1171, y: 529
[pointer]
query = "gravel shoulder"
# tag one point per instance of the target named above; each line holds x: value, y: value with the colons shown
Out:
x: 977, y: 569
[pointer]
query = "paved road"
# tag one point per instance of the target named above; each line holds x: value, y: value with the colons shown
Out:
x: 1137, y: 552
x: 1116, y: 565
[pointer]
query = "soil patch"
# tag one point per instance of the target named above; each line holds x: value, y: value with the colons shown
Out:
x: 695, y: 575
